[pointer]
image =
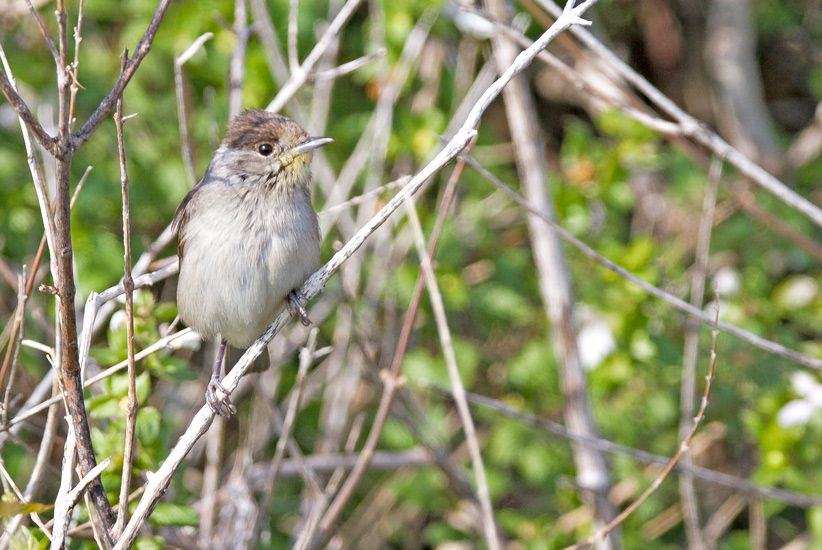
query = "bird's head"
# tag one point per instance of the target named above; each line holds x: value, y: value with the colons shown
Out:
x: 267, y: 148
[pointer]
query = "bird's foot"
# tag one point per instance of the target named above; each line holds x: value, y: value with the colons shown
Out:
x: 218, y: 399
x: 294, y: 302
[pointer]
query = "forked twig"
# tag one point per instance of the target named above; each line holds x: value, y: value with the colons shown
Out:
x: 299, y: 75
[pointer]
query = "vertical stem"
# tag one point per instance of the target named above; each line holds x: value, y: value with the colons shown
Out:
x: 211, y: 472
x: 14, y: 344
x: 69, y: 364
x: 66, y: 290
x: 457, y: 388
x: 293, y: 56
x: 75, y: 85
x: 237, y: 68
x: 690, y: 503
x: 128, y: 287
x: 182, y: 117
x: 593, y: 471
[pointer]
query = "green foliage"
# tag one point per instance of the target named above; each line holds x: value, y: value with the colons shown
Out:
x: 10, y: 509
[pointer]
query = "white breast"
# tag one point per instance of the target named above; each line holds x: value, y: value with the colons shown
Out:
x: 242, y: 256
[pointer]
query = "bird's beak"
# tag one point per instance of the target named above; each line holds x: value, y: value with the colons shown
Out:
x: 309, y: 145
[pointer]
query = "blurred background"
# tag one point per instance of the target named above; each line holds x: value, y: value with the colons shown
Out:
x: 750, y: 69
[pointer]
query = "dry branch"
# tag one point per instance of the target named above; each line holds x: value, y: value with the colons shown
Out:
x: 68, y: 496
x: 299, y: 76
x: 688, y: 497
x: 683, y: 447
x: 556, y: 287
x: 128, y: 287
x: 678, y: 303
x: 492, y: 538
x: 694, y: 128
x: 711, y: 476
x: 108, y: 103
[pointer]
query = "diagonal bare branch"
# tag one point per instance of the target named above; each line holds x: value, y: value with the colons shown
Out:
x: 693, y: 127
x: 678, y: 303
x: 7, y: 86
x: 108, y: 103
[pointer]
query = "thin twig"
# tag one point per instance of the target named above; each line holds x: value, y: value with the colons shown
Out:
x: 293, y: 15
x: 349, y: 67
x: 162, y: 343
x: 68, y: 499
x: 457, y: 388
x: 182, y: 117
x: 690, y: 504
x: 45, y: 33
x: 75, y: 66
x: 236, y: 69
x: 327, y: 463
x: 128, y: 286
x: 9, y: 482
x: 264, y: 28
x: 63, y: 78
x: 108, y: 103
x: 757, y: 341
x: 306, y: 360
x: 300, y: 74
x: 683, y: 447
x: 14, y: 344
x: 62, y: 509
x: 41, y: 462
x: 211, y: 475
x: 27, y: 118
x: 368, y: 195
x: 711, y: 476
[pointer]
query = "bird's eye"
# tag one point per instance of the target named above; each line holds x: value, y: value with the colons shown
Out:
x: 265, y: 149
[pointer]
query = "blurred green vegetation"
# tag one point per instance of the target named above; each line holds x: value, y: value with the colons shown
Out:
x: 484, y: 266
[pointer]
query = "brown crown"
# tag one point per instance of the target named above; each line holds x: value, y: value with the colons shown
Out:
x: 251, y: 128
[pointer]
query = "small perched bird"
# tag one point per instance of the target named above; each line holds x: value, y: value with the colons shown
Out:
x: 247, y: 236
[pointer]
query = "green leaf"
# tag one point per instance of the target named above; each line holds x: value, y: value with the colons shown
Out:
x: 171, y: 368
x: 174, y: 515
x: 11, y: 509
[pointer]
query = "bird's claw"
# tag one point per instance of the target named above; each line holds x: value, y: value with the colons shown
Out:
x: 295, y: 305
x: 218, y: 399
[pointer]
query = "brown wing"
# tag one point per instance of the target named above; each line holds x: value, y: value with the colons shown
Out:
x: 181, y: 217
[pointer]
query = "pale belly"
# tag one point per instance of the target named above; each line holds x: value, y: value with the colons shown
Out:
x: 233, y: 280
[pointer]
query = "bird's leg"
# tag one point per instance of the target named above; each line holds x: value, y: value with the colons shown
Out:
x: 294, y: 302
x: 216, y: 395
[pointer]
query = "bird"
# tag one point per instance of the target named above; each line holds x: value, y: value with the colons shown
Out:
x: 247, y: 236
